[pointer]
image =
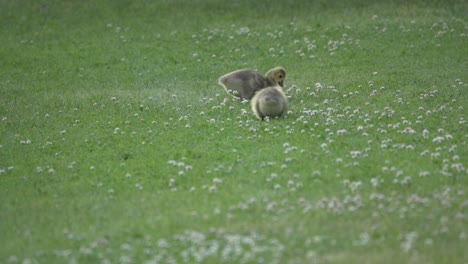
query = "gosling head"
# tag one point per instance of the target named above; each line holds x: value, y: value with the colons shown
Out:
x: 277, y: 75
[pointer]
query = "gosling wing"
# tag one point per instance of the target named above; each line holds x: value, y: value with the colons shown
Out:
x: 243, y: 83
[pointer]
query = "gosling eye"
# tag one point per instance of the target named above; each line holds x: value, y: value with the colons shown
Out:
x: 281, y: 76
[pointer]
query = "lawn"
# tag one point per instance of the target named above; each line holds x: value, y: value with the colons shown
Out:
x: 117, y: 145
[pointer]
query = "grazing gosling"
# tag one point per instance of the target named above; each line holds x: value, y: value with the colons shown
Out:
x: 245, y: 83
x: 270, y: 102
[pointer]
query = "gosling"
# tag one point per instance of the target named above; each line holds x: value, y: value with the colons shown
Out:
x: 245, y: 83
x: 270, y: 102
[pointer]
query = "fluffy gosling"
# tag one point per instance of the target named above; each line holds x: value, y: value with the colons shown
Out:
x: 245, y: 83
x: 270, y: 102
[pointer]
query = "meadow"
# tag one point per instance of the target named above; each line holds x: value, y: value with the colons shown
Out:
x: 117, y: 145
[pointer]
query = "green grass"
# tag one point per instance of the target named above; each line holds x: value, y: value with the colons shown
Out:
x: 117, y: 145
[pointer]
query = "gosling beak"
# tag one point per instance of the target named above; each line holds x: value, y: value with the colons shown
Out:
x: 281, y: 83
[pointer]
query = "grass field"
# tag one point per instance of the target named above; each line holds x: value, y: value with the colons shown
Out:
x: 117, y: 145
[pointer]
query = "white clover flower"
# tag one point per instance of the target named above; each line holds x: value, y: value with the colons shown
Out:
x: 363, y: 240
x: 424, y: 153
x: 425, y: 133
x: 25, y: 142
x: 318, y: 87
x: 457, y: 167
x: 354, y: 185
x: 217, y: 181
x: 271, y: 206
x: 341, y: 132
x: 408, y: 241
x: 171, y: 182
x: 355, y: 154
x: 406, y: 180
x: 424, y: 174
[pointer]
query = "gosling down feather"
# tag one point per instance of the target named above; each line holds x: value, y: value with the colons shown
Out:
x: 270, y: 102
x: 245, y: 83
